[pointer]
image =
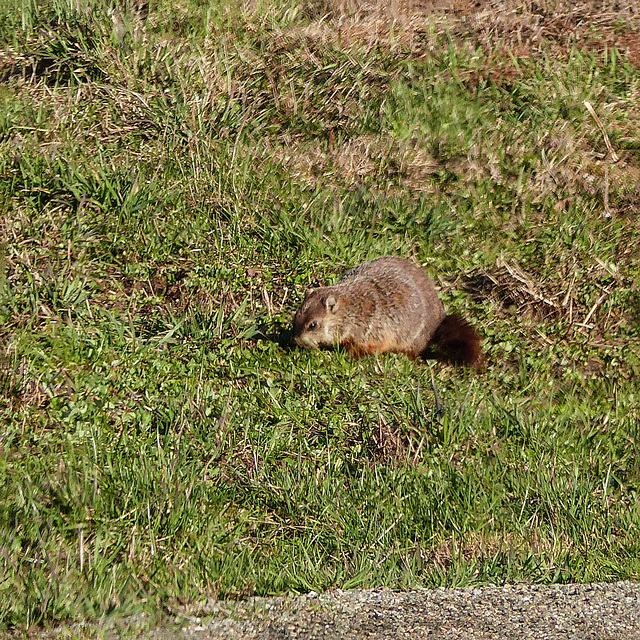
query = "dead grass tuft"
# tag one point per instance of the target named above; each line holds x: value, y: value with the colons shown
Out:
x: 529, y: 26
x: 511, y: 287
x: 512, y: 544
x: 389, y: 444
x: 354, y: 161
x: 520, y: 27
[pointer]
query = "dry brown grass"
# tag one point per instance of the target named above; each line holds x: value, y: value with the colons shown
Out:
x: 521, y: 25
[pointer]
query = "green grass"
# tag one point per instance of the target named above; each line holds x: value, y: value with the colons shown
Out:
x: 172, y: 179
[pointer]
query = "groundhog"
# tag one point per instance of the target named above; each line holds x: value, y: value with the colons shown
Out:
x: 388, y: 304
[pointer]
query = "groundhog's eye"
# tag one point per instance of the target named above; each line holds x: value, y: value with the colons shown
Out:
x: 312, y: 325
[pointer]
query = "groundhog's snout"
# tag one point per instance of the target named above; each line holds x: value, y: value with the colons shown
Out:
x: 305, y: 342
x: 298, y: 331
x: 303, y: 339
x: 297, y: 327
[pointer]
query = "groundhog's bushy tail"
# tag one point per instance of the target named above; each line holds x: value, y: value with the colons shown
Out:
x: 457, y: 341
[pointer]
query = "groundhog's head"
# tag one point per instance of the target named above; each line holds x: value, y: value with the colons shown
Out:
x: 315, y: 323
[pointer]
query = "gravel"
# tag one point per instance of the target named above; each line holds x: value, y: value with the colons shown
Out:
x: 583, y: 612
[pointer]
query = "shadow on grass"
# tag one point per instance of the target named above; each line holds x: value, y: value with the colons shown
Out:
x: 277, y: 332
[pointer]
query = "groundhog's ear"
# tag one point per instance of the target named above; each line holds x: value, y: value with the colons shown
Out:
x: 331, y: 303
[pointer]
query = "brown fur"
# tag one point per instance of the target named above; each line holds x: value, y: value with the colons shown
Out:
x: 388, y: 304
x: 457, y: 341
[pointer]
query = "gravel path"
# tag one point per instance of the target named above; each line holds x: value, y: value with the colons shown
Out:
x: 543, y: 612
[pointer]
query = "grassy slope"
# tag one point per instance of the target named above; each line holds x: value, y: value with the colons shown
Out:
x: 173, y: 177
